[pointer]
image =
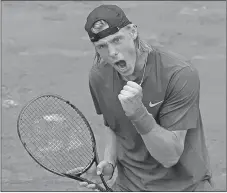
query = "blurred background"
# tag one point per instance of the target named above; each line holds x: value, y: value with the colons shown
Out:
x: 45, y: 49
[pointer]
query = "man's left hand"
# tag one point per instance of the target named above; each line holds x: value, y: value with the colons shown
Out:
x: 131, y: 98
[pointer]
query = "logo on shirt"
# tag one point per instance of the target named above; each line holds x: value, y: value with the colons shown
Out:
x: 154, y: 104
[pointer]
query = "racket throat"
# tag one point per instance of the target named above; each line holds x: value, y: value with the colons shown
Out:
x: 78, y: 178
x: 74, y: 177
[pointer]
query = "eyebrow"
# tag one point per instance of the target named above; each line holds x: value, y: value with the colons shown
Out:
x: 101, y: 44
x: 118, y: 36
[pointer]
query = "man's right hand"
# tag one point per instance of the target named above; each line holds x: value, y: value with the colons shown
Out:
x: 93, y: 173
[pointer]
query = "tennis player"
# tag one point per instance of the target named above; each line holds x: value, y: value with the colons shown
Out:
x: 149, y: 99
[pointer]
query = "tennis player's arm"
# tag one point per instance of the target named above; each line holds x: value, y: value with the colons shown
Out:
x: 110, y: 153
x: 165, y: 141
x: 165, y: 146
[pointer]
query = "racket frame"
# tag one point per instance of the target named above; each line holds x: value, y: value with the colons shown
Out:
x: 95, y: 159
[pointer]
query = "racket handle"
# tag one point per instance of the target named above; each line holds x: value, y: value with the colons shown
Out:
x: 89, y: 182
x: 105, y: 184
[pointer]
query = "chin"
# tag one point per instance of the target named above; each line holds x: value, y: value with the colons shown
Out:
x: 128, y: 72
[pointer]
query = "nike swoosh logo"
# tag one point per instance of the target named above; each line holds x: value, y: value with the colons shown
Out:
x: 154, y: 104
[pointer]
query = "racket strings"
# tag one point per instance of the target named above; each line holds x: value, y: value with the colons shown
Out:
x: 53, y: 165
x: 44, y: 145
x: 41, y: 150
x: 51, y: 108
x: 80, y: 124
x: 84, y: 157
x: 69, y: 159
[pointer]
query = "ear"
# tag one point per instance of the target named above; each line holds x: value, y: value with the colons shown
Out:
x: 133, y: 31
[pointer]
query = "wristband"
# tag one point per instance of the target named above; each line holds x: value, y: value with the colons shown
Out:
x: 142, y: 120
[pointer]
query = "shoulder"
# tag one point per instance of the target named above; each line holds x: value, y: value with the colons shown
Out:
x: 174, y: 66
x: 186, y: 81
x: 170, y: 71
x: 96, y: 73
x: 183, y: 89
x: 100, y: 73
x: 170, y: 59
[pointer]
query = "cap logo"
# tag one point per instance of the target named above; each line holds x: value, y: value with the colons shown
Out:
x: 99, y: 26
x: 94, y: 30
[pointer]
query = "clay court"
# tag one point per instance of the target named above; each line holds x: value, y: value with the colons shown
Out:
x: 45, y: 49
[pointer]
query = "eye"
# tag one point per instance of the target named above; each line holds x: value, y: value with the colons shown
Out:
x: 100, y: 47
x: 116, y: 40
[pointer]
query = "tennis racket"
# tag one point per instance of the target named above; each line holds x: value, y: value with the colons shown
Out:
x: 58, y: 137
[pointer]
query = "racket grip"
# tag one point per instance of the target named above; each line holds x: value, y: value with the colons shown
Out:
x: 105, y: 184
x: 97, y: 186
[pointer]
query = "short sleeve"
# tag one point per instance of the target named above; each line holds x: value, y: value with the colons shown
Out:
x: 180, y: 110
x: 96, y: 104
x: 95, y: 101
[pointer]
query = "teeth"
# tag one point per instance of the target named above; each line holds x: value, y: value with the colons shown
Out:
x: 121, y: 64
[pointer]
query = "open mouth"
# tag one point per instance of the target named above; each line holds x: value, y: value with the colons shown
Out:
x: 121, y: 64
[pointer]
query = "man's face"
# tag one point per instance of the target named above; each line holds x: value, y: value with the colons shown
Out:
x: 118, y: 50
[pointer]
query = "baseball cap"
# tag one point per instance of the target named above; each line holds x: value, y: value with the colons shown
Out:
x: 112, y: 14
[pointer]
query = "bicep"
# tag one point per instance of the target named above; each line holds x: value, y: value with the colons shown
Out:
x: 180, y: 110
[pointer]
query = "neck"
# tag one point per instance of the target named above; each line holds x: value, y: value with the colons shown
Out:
x: 139, y: 66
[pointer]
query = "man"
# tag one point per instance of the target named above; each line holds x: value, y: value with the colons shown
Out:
x: 149, y: 100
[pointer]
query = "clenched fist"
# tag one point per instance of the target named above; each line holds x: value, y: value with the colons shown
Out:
x: 131, y: 98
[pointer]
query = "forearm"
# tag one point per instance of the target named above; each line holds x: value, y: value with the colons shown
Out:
x: 162, y: 144
x: 110, y: 153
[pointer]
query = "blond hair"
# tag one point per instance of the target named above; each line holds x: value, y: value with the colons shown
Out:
x: 101, y: 25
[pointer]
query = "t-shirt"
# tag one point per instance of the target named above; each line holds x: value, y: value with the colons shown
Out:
x: 173, y: 83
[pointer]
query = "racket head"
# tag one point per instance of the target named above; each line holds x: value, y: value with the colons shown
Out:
x: 39, y: 113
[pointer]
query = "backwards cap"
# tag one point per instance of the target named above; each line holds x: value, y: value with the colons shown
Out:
x: 113, y: 15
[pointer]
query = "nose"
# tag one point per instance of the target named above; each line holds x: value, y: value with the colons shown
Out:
x: 112, y: 51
